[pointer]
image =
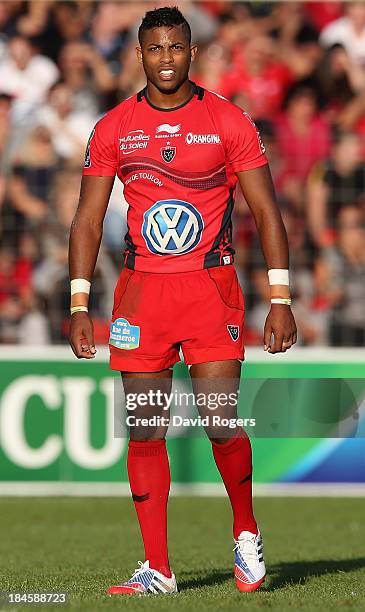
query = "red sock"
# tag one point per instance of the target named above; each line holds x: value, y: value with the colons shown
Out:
x: 149, y: 479
x: 234, y: 462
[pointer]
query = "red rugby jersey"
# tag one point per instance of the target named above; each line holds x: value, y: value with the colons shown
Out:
x: 178, y: 169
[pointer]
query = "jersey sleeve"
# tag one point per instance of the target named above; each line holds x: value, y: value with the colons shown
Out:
x: 101, y: 156
x: 244, y: 147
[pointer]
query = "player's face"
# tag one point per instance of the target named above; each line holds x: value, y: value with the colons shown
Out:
x: 166, y: 55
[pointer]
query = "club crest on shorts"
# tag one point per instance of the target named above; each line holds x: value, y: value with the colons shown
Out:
x: 168, y: 153
x: 234, y: 332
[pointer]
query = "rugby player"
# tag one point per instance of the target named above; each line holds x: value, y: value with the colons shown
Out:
x: 179, y: 151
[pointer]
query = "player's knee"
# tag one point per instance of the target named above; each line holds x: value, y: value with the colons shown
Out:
x: 140, y: 436
x: 137, y: 439
x: 221, y: 435
x: 218, y: 440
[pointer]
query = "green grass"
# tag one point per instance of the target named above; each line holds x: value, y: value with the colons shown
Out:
x: 314, y: 550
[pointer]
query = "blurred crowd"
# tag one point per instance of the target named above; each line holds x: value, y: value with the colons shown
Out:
x: 298, y: 68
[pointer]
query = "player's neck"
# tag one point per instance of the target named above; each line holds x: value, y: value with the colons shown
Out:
x: 169, y: 100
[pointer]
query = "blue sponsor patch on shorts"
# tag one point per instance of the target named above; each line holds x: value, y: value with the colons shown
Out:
x: 123, y: 335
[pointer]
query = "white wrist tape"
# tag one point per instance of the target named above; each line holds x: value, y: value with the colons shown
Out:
x: 278, y: 276
x: 286, y: 301
x: 74, y: 309
x: 80, y: 285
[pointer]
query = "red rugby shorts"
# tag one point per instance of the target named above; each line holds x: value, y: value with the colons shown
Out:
x: 156, y: 315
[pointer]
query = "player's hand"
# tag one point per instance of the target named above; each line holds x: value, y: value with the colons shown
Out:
x: 82, y: 336
x: 281, y: 325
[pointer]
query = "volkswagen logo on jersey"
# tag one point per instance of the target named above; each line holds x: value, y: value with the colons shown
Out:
x: 172, y: 227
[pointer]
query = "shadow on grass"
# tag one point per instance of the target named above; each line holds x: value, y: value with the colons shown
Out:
x: 280, y: 575
x: 218, y: 576
x: 298, y: 572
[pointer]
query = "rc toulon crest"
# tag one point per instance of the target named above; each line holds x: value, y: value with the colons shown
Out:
x: 168, y: 153
x: 234, y: 332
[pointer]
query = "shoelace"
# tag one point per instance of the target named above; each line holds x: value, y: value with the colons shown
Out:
x: 139, y: 570
x: 247, y: 548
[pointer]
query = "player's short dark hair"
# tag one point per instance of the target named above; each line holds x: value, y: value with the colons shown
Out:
x: 166, y: 17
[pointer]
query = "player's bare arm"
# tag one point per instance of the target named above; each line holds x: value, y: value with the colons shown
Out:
x: 85, y: 237
x: 257, y: 187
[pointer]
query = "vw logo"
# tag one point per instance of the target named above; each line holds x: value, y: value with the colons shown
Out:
x: 172, y: 227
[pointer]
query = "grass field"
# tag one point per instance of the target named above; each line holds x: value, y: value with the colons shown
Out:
x: 314, y: 549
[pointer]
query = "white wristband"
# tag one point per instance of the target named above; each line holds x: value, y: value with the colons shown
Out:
x: 278, y: 276
x: 80, y: 285
x: 74, y: 309
x: 286, y: 301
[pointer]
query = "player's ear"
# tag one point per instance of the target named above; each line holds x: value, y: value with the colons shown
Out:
x: 193, y: 51
x: 139, y: 54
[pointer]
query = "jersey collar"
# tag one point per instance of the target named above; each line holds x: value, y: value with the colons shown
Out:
x: 196, y: 90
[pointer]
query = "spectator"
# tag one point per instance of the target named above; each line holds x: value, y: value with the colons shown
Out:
x: 30, y: 182
x: 348, y: 31
x: 203, y: 26
x: 303, y: 138
x: 310, y: 316
x: 51, y: 277
x: 263, y: 80
x: 64, y: 63
x: 343, y: 279
x: 296, y: 39
x: 308, y: 309
x: 27, y: 76
x: 15, y: 292
x: 5, y: 138
x: 68, y: 128
x: 4, y: 18
x: 35, y: 20
x: 340, y: 82
x: 131, y: 77
x: 51, y: 24
x: 234, y: 27
x: 212, y: 71
x: 71, y: 19
x: 63, y: 199
x: 9, y: 13
x: 268, y: 135
x: 87, y: 74
x: 107, y: 34
x: 323, y: 13
x: 334, y: 184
